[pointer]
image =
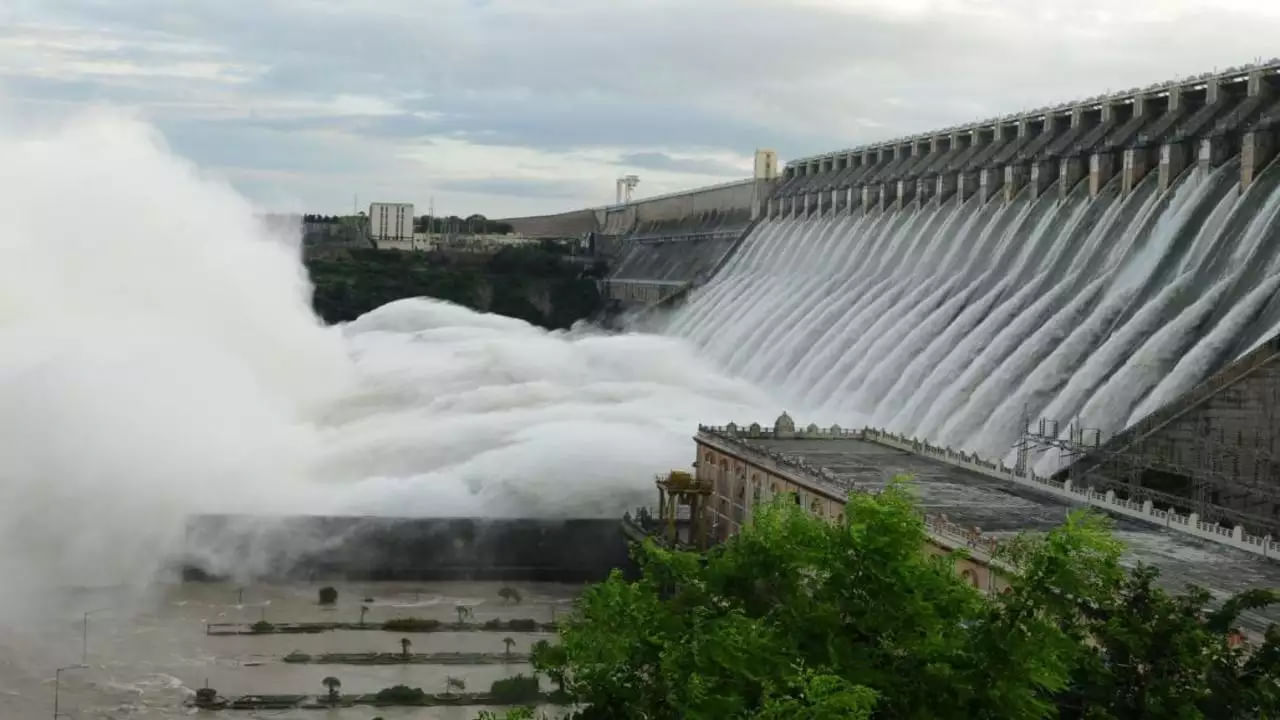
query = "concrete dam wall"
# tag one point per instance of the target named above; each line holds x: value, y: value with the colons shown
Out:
x: 662, y: 245
x: 371, y: 548
x: 1087, y: 263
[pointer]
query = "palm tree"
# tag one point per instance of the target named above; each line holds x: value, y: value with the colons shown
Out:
x: 404, y: 647
x: 453, y: 683
x: 333, y: 684
x: 464, y: 612
x: 508, y: 642
x: 363, y: 609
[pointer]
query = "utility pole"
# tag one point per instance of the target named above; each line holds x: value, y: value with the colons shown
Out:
x: 57, y: 678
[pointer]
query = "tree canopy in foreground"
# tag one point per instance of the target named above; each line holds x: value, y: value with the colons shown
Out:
x: 797, y: 617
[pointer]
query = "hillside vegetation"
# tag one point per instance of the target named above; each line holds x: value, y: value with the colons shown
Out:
x: 535, y: 283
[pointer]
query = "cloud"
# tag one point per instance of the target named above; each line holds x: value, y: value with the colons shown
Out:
x: 663, y: 161
x: 418, y: 94
x: 521, y: 187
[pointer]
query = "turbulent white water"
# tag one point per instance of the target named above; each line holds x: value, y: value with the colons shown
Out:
x: 956, y: 322
x: 158, y: 356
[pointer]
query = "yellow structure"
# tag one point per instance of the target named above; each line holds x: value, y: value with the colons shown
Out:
x: 678, y: 490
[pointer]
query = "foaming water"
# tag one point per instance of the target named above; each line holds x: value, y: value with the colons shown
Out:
x: 159, y: 357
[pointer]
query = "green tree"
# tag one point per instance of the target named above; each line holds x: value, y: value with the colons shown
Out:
x: 798, y: 617
x: 328, y: 595
x: 1157, y: 655
x: 552, y: 660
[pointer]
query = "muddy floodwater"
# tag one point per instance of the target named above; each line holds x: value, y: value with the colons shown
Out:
x: 147, y: 651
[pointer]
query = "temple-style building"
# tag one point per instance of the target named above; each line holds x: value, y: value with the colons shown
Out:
x: 740, y: 467
x: 967, y: 503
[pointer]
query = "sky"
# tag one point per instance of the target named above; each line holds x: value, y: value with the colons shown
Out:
x: 514, y: 107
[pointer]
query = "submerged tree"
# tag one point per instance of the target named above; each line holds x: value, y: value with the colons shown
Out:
x: 404, y: 647
x: 364, y: 609
x: 510, y: 594
x: 328, y: 595
x: 454, y: 683
x: 799, y: 617
x: 508, y: 642
x: 332, y: 683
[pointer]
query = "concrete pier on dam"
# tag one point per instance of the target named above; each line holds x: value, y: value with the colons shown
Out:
x: 1163, y: 128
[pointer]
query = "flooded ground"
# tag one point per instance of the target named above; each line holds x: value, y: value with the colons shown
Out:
x: 147, y: 652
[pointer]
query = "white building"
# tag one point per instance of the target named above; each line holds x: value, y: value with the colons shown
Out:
x: 391, y: 223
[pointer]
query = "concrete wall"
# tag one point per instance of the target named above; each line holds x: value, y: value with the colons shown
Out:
x: 567, y: 224
x: 300, y: 548
x: 1225, y: 433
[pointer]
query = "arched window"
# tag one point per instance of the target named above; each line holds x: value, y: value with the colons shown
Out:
x: 755, y: 489
x: 969, y: 576
x: 773, y: 489
x: 815, y: 507
x: 840, y: 519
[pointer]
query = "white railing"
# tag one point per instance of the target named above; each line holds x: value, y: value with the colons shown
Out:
x: 1146, y: 511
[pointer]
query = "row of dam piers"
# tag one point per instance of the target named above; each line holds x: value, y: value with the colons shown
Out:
x: 1162, y: 129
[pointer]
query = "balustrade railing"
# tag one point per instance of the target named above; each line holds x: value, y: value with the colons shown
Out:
x: 821, y: 478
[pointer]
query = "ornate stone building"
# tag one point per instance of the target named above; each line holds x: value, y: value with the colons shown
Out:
x: 745, y: 466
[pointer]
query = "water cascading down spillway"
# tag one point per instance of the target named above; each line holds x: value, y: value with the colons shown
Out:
x: 956, y: 318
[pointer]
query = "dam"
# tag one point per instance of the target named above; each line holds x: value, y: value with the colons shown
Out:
x: 1022, y: 288
x: 1086, y: 264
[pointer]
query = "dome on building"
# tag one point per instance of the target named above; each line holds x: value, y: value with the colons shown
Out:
x: 784, y: 425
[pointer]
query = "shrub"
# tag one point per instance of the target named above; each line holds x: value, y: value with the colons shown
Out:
x: 297, y: 657
x: 523, y: 624
x: 411, y: 624
x: 328, y: 595
x: 513, y: 690
x: 262, y: 626
x: 492, y: 624
x: 401, y: 694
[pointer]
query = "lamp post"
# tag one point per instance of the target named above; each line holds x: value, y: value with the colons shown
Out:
x: 57, y: 677
x: 84, y: 636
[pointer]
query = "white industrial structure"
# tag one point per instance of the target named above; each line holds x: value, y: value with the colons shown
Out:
x: 626, y: 185
x: 391, y: 222
x: 766, y: 165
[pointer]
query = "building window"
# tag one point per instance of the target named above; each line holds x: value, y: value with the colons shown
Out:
x: 815, y: 507
x: 970, y: 577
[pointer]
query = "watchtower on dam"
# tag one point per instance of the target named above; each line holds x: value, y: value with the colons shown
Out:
x: 1162, y: 128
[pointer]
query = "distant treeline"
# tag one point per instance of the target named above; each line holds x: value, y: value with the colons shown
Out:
x: 536, y: 283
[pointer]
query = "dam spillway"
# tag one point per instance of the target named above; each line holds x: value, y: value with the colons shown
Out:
x: 1087, y: 264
